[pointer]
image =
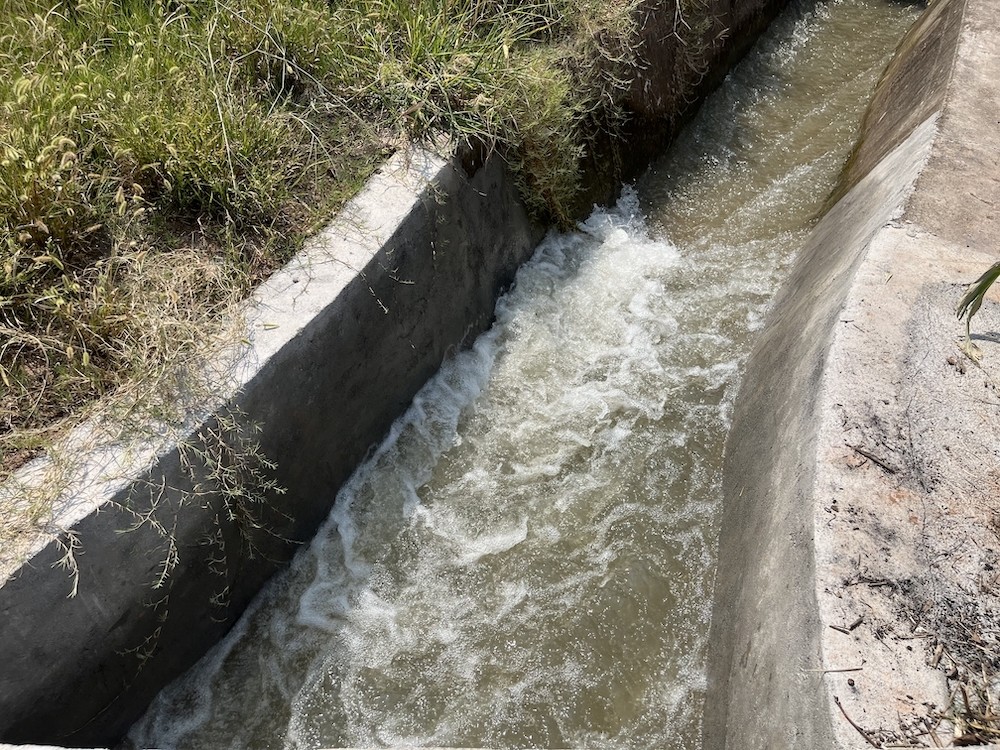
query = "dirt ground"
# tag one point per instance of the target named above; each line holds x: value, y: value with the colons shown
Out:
x: 908, y: 520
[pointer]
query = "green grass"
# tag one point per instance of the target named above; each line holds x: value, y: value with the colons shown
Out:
x: 970, y: 303
x: 160, y: 157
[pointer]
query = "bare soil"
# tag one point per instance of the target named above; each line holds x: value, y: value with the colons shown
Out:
x: 908, y: 527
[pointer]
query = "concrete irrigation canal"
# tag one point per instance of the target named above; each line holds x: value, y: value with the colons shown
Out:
x: 666, y: 500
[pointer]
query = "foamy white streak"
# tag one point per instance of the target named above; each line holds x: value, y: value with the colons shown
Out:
x: 455, y: 593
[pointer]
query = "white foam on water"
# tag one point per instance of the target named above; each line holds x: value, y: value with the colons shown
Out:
x: 489, y: 512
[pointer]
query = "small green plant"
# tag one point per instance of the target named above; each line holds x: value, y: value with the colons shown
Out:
x: 972, y: 301
x: 224, y: 469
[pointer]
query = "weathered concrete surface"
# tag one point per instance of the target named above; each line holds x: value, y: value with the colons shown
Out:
x: 336, y: 344
x: 956, y: 196
x: 911, y: 543
x: 908, y: 457
x: 765, y: 682
x: 861, y: 470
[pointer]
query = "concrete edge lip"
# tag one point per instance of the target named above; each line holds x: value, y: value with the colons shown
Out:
x: 333, y: 348
x: 765, y: 620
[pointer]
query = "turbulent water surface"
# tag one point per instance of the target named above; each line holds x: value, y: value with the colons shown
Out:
x: 527, y: 560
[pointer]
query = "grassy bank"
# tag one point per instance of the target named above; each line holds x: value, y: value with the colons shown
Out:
x: 160, y: 157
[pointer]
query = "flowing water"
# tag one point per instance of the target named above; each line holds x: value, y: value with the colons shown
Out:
x: 527, y: 560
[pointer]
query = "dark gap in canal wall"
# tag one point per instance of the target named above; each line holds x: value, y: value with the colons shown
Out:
x: 686, y: 48
x: 357, y: 339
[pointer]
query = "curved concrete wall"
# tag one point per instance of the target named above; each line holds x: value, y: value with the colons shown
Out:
x: 766, y: 687
x: 336, y: 344
x: 907, y: 199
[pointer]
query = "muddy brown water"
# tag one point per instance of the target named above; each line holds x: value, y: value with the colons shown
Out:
x: 528, y: 559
